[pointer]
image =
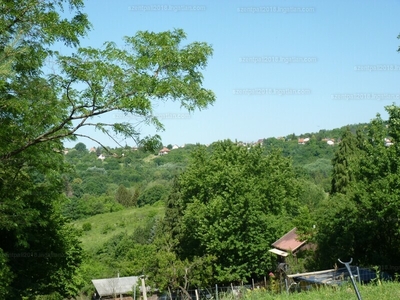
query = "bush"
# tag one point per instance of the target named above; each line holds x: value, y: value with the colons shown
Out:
x: 153, y: 194
x: 86, y: 227
x: 107, y: 228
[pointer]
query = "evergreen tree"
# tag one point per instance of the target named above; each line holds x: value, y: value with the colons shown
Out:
x: 344, y: 163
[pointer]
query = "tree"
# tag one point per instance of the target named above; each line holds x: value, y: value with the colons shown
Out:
x: 93, y: 82
x: 363, y: 222
x: 152, y: 194
x: 344, y: 163
x: 80, y: 147
x: 39, y: 111
x: 124, y: 196
x: 231, y: 203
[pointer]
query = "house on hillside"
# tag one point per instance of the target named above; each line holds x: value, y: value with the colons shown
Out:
x: 388, y: 142
x: 302, y: 141
x: 174, y: 147
x: 92, y: 150
x: 330, y: 142
x: 288, y: 243
x: 102, y: 157
x: 260, y: 141
x: 164, y: 151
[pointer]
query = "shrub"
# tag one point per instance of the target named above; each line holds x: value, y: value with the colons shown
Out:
x: 86, y: 226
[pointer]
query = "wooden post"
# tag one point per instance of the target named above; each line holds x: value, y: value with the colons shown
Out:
x: 144, y: 288
x: 265, y: 281
x: 252, y: 281
x: 216, y: 291
x: 197, y: 294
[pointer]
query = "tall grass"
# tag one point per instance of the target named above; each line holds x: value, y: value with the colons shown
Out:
x: 105, y: 226
x: 384, y: 291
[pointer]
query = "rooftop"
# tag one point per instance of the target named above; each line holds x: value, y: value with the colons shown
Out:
x: 289, y: 242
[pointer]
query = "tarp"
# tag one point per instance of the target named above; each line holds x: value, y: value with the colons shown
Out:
x: 338, y: 276
x: 117, y: 285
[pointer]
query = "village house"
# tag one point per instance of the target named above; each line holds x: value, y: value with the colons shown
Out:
x: 330, y: 142
x: 164, y: 151
x: 388, y: 142
x: 302, y: 141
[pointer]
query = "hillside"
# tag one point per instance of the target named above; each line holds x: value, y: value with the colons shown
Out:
x: 105, y: 226
x: 117, y: 202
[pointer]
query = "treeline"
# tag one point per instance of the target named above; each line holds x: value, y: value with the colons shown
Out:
x: 126, y: 177
x: 130, y: 177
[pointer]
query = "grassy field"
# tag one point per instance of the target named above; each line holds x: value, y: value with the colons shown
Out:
x: 384, y: 291
x: 104, y: 226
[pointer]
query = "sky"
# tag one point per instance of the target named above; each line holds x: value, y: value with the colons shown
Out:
x: 278, y: 67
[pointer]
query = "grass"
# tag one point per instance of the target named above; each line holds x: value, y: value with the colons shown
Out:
x: 149, y: 158
x: 384, y: 291
x: 105, y: 226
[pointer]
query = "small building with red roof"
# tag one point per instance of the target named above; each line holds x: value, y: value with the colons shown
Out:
x: 163, y: 151
x: 289, y: 243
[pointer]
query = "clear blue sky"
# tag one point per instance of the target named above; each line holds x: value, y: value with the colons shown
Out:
x: 279, y: 67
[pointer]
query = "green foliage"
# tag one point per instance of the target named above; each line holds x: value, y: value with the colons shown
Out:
x: 6, y: 275
x: 80, y: 147
x: 232, y: 203
x: 87, y: 226
x: 124, y: 196
x: 38, y: 111
x: 107, y: 228
x: 344, y: 163
x: 152, y: 194
x: 77, y: 208
x: 354, y: 219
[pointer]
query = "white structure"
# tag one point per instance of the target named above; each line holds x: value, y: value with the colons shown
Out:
x: 117, y: 286
x: 388, y: 142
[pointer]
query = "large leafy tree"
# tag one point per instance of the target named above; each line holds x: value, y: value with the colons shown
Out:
x: 231, y: 203
x: 363, y: 222
x: 40, y: 109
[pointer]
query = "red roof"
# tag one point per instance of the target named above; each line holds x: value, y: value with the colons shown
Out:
x: 289, y: 242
